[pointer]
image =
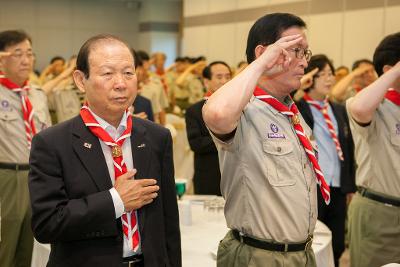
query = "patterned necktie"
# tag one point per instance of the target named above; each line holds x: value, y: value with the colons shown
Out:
x: 27, y: 109
x: 129, y: 220
x: 293, y: 114
x: 324, y: 111
x: 393, y: 96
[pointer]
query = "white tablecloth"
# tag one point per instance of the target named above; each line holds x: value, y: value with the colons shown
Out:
x: 183, y: 156
x: 200, y: 239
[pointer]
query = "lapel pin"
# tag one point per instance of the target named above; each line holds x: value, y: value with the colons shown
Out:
x: 142, y: 145
x: 87, y: 145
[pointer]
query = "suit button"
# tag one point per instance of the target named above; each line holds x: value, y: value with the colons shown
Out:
x: 279, y: 149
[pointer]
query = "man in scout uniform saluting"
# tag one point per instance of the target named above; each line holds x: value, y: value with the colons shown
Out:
x: 269, y: 172
x: 374, y: 113
x: 23, y: 113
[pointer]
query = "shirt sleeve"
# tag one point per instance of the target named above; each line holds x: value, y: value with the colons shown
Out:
x: 118, y: 204
x: 356, y: 128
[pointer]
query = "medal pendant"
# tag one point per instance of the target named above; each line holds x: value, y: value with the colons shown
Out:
x: 116, y: 151
x: 295, y: 119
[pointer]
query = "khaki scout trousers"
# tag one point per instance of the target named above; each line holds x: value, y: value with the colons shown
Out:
x: 232, y: 253
x: 16, y: 235
x: 374, y: 233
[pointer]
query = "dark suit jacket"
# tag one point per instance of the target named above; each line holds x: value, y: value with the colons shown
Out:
x: 207, y: 176
x: 73, y: 209
x: 347, y: 170
x: 142, y: 104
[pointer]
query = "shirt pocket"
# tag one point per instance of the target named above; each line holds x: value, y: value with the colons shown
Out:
x: 279, y: 161
x: 395, y: 140
x: 8, y: 116
x: 10, y: 123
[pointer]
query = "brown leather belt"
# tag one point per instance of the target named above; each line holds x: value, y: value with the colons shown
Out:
x: 280, y: 247
x: 13, y: 166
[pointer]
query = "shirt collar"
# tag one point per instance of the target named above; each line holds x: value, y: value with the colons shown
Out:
x: 110, y: 129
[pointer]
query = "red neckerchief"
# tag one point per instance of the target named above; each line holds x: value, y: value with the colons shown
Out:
x: 207, y: 95
x: 27, y: 109
x: 393, y: 96
x: 129, y: 224
x: 328, y: 121
x: 357, y: 88
x: 293, y: 114
x: 160, y: 74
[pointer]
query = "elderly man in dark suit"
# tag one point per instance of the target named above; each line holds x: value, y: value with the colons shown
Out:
x: 207, y: 176
x: 102, y: 184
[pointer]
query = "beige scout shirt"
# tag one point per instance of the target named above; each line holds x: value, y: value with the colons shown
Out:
x: 13, y: 142
x: 154, y: 91
x: 192, y: 89
x: 377, y: 150
x: 266, y: 178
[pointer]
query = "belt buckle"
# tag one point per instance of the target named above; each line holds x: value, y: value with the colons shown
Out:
x: 309, y: 243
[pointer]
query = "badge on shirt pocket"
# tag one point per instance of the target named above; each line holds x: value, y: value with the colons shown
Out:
x: 275, y: 132
x: 5, y: 105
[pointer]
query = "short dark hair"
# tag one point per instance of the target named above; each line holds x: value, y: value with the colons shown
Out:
x: 387, y: 52
x: 179, y: 59
x: 12, y: 37
x: 268, y: 29
x: 318, y: 61
x: 197, y: 59
x: 138, y: 61
x: 82, y: 61
x: 142, y: 55
x: 57, y: 58
x: 207, y: 70
x: 357, y: 63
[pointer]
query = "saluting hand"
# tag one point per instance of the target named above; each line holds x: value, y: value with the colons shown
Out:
x: 135, y: 193
x: 4, y: 54
x: 307, y: 80
x: 275, y: 58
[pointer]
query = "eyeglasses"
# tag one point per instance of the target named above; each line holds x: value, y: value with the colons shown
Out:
x: 302, y: 52
x: 19, y: 55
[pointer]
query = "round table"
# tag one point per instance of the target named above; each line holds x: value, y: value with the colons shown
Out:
x: 200, y: 239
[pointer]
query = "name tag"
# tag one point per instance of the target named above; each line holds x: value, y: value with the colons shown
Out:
x: 276, y: 135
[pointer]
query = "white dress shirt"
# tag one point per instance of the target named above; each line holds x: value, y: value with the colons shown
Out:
x: 127, y: 155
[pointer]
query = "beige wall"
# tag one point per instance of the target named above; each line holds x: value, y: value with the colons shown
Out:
x: 345, y: 30
x: 59, y: 27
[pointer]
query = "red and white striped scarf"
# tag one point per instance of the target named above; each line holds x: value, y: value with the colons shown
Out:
x: 293, y: 114
x: 394, y: 96
x: 161, y: 75
x: 331, y: 128
x: 27, y: 109
x: 129, y: 220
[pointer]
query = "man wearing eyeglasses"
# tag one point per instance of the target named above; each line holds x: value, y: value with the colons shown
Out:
x: 268, y: 167
x: 23, y: 112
